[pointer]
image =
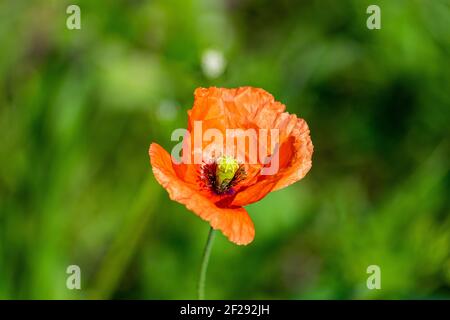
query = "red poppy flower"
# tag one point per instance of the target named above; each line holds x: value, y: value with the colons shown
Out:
x: 217, y: 189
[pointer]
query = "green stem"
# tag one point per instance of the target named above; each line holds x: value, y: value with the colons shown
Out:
x: 205, y: 260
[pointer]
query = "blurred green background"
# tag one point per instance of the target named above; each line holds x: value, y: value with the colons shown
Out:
x: 79, y: 108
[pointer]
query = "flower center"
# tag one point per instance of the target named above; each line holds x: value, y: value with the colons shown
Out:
x: 226, y: 169
x: 221, y: 175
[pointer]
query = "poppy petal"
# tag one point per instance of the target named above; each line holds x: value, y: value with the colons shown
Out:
x: 222, y: 108
x: 235, y: 223
x: 301, y: 160
x: 255, y: 108
x: 295, y: 155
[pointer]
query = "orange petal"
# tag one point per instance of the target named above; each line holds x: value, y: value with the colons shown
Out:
x: 255, y: 108
x: 223, y: 108
x: 295, y: 155
x: 235, y: 223
x: 301, y: 159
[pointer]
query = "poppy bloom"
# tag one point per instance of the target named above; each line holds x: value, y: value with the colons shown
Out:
x: 221, y: 184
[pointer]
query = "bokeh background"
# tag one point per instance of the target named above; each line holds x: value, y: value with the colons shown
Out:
x: 79, y: 108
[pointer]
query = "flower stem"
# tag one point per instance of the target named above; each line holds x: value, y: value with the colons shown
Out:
x: 205, y: 260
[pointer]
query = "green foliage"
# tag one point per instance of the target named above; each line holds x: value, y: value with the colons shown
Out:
x: 79, y: 108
